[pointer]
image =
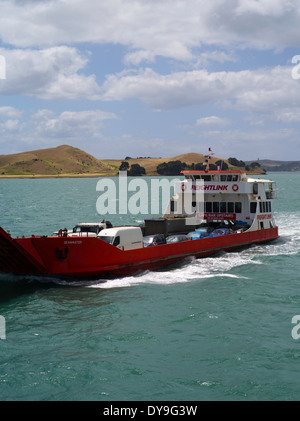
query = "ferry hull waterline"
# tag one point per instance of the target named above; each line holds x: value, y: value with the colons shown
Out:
x: 226, y: 211
x: 90, y: 258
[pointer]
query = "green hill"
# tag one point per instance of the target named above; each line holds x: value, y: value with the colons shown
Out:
x: 62, y: 160
x: 67, y: 161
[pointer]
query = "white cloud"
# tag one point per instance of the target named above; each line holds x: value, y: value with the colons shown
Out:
x: 262, y: 90
x: 136, y: 57
x: 212, y: 121
x: 71, y: 124
x: 46, y: 128
x: 51, y: 73
x: 10, y: 126
x: 10, y: 112
x: 291, y: 115
x: 165, y: 27
x: 265, y: 7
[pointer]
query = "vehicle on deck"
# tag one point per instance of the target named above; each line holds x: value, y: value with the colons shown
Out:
x: 154, y: 240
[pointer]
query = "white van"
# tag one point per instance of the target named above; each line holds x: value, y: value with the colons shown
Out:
x: 125, y: 238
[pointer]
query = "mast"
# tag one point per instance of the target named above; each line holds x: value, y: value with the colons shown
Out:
x: 207, y: 159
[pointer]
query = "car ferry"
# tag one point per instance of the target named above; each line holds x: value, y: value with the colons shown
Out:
x: 212, y: 211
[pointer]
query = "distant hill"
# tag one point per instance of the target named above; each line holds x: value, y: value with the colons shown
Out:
x: 271, y: 165
x: 62, y: 160
x: 73, y: 162
x: 150, y: 164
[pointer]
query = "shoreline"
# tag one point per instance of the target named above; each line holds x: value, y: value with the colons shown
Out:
x: 96, y: 175
x: 5, y: 177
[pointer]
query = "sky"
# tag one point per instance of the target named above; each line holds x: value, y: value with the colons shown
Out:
x: 154, y: 78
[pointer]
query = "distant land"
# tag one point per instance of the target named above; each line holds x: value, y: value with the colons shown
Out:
x: 67, y: 161
x: 270, y: 165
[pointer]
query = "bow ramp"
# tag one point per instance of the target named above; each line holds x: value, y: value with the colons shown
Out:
x: 15, y: 259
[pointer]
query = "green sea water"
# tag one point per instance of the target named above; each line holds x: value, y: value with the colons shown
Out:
x: 211, y: 329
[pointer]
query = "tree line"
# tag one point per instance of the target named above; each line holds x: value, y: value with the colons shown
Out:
x: 175, y: 167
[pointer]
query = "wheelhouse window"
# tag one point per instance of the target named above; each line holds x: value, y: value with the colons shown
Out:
x: 238, y: 207
x: 253, y: 207
x: 216, y: 207
x: 223, y: 206
x: 230, y: 207
x: 208, y: 207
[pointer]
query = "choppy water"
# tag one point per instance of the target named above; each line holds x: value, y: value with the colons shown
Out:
x: 210, y: 329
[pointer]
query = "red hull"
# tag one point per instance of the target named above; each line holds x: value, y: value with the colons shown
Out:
x: 87, y: 257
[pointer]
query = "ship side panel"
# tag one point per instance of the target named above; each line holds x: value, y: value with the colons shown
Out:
x: 87, y: 257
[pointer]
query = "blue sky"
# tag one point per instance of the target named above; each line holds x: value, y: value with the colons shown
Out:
x: 151, y: 77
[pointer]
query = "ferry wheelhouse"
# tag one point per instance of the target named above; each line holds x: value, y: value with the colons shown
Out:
x: 225, y: 197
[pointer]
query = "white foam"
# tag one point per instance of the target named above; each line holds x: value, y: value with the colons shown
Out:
x: 194, y: 269
x: 222, y: 265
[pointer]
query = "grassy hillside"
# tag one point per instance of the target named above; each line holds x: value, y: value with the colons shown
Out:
x: 72, y: 162
x: 62, y: 160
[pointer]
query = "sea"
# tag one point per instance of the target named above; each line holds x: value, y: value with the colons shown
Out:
x: 222, y: 328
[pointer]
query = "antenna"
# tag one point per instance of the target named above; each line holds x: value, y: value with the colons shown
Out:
x: 207, y: 158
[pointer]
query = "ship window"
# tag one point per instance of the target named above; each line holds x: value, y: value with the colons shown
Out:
x: 260, y: 207
x: 230, y: 206
x: 106, y: 238
x: 116, y: 241
x: 255, y: 188
x: 206, y: 177
x: 229, y: 177
x: 235, y: 177
x: 253, y: 206
x: 238, y: 207
x: 264, y: 207
x: 223, y: 207
x: 270, y: 209
x: 172, y: 206
x: 223, y: 177
x: 261, y: 225
x: 216, y: 207
x: 271, y: 225
x: 208, y: 207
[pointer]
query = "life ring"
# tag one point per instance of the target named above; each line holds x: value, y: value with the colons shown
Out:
x: 235, y: 187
